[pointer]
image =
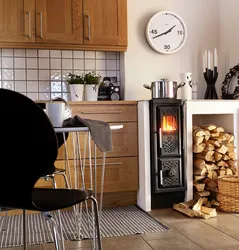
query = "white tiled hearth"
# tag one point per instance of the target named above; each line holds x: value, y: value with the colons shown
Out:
x: 223, y: 113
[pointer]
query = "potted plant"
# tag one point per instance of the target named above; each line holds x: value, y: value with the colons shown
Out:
x: 76, y: 84
x: 92, y: 81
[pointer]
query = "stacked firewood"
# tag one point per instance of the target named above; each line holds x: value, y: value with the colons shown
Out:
x: 213, y: 156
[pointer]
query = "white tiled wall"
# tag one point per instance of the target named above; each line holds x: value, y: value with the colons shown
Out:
x: 42, y: 74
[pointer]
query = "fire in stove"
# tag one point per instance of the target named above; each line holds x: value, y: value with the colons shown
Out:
x: 169, y: 123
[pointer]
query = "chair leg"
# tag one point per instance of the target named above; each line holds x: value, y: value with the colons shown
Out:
x: 48, y: 216
x: 97, y: 221
x: 24, y: 224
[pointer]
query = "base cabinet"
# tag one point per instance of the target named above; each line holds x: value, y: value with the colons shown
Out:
x: 121, y: 165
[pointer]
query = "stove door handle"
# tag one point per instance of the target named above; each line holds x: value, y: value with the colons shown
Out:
x: 160, y: 138
x: 161, y: 176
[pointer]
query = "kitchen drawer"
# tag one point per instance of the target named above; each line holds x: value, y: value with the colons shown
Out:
x: 108, y: 113
x: 121, y: 174
x: 125, y: 142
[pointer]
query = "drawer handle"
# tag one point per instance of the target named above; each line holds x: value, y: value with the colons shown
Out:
x: 107, y: 163
x: 100, y: 112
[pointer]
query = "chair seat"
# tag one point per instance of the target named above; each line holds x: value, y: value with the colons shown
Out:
x: 53, y: 199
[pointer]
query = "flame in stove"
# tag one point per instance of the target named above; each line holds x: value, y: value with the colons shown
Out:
x: 169, y: 123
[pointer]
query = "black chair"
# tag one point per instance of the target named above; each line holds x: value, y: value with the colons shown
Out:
x: 29, y: 148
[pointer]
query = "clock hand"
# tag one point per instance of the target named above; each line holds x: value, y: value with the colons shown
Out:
x: 164, y: 33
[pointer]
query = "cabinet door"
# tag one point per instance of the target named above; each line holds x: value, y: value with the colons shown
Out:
x: 17, y: 20
x: 59, y: 21
x: 105, y: 22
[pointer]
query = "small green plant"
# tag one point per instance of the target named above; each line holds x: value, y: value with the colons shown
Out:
x: 75, y: 79
x: 92, y: 78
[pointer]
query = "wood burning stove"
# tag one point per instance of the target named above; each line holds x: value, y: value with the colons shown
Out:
x: 168, y: 182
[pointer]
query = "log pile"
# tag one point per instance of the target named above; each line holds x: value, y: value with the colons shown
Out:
x: 213, y: 156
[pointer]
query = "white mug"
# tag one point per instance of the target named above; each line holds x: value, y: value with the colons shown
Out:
x: 55, y: 112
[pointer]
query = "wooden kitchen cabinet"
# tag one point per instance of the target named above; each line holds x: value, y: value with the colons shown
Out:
x: 17, y: 21
x: 64, y: 24
x: 105, y: 22
x: 59, y: 21
x: 121, y: 169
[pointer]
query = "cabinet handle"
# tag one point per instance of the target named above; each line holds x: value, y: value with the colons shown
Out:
x: 99, y: 113
x: 88, y: 24
x: 29, y: 25
x: 41, y: 36
x: 107, y: 163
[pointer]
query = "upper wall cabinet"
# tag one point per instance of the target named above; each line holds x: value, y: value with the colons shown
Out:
x: 17, y: 21
x: 59, y: 21
x: 105, y: 22
x: 64, y: 24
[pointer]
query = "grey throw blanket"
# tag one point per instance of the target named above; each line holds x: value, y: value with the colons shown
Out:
x: 99, y: 130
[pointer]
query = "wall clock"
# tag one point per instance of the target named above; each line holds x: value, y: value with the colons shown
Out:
x: 166, y: 32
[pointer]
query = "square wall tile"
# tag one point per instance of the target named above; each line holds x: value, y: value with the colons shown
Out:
x: 19, y: 63
x: 90, y: 54
x: 43, y: 63
x: 78, y: 54
x: 56, y: 75
x: 55, y: 63
x: 7, y: 62
x: 7, y: 52
x: 7, y: 74
x: 19, y: 52
x: 67, y: 64
x: 89, y: 65
x: 44, y: 96
x: 20, y: 74
x: 32, y: 74
x: 8, y: 85
x: 43, y: 53
x: 32, y: 63
x: 56, y: 87
x: 33, y: 96
x: 55, y: 53
x: 78, y: 64
x: 31, y: 53
x: 44, y: 86
x: 44, y: 74
x: 67, y: 54
x: 20, y: 86
x: 111, y: 65
x: 100, y: 64
x: 32, y: 86
x: 111, y: 55
x: 100, y: 55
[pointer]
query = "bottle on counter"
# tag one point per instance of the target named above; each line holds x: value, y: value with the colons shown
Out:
x: 194, y: 90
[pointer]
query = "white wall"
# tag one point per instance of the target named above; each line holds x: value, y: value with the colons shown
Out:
x: 143, y: 65
x: 228, y: 36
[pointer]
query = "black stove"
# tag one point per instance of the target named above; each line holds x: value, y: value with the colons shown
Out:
x: 168, y: 183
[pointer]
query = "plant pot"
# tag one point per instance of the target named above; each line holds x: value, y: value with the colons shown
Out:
x: 91, y: 92
x: 76, y: 92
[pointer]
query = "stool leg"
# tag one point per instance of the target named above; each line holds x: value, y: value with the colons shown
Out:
x: 97, y: 221
x: 58, y: 211
x: 24, y: 224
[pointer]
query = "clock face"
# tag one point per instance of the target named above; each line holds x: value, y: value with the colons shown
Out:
x: 166, y: 32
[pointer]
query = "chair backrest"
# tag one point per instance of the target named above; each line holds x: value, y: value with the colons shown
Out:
x: 28, y: 146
